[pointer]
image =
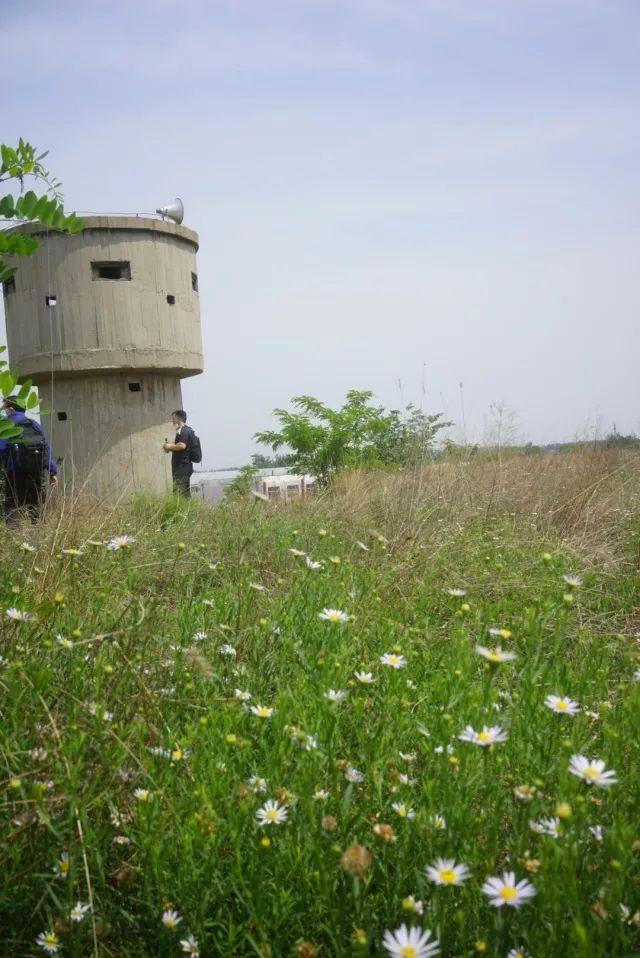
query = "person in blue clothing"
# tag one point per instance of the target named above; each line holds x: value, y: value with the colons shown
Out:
x: 24, y: 464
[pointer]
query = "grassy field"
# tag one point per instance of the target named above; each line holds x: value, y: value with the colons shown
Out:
x: 198, y: 758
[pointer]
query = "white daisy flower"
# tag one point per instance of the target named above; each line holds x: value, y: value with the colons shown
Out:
x: 484, y: 738
x: 517, y: 953
x: 49, y: 942
x: 503, y: 890
x: 170, y: 918
x: 524, y: 793
x: 120, y: 542
x: 310, y: 564
x: 79, y: 911
x: 573, y: 581
x: 121, y: 840
x: 38, y: 754
x: 592, y: 771
x: 257, y: 586
x: 297, y: 552
x: 404, y: 779
x: 562, y: 705
x: 401, y: 809
x: 333, y: 615
x: 62, y: 866
x: 499, y: 631
x: 63, y: 642
x: 190, y: 946
x: 257, y: 784
x: 546, y: 826
x: 410, y: 943
x: 393, y: 660
x: 361, y: 545
x: 444, y: 871
x: 272, y: 813
x: 456, y: 593
x: 336, y: 695
x: 636, y: 675
x: 438, y: 821
x: 495, y: 655
x: 17, y: 615
x: 262, y: 711
x: 368, y: 678
x: 227, y: 650
x: 199, y: 636
x: 320, y: 795
x: 241, y: 695
x: 27, y: 548
x: 597, y: 832
x: 142, y: 795
x: 408, y: 756
x: 309, y: 743
x: 352, y: 775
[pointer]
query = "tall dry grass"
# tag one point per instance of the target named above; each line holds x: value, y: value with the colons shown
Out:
x: 586, y: 498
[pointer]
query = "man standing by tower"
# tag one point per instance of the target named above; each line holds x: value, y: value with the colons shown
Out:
x: 181, y: 450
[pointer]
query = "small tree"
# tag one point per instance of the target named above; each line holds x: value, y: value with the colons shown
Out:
x: 21, y: 163
x: 323, y: 440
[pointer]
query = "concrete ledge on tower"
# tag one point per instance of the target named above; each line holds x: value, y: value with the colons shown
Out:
x: 84, y: 361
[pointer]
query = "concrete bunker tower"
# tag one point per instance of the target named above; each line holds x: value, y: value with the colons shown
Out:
x: 106, y: 323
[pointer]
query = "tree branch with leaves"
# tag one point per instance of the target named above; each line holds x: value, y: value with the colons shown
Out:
x: 21, y: 164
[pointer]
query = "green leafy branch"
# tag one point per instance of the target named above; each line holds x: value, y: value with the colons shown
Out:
x: 18, y: 164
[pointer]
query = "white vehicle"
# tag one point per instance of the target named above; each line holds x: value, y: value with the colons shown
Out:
x: 284, y: 487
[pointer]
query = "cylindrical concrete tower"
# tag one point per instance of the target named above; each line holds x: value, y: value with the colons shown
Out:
x: 106, y: 323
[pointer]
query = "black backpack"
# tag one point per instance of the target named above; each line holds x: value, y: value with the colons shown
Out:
x: 194, y: 448
x: 27, y: 456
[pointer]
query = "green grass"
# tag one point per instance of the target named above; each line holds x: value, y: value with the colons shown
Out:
x: 196, y: 845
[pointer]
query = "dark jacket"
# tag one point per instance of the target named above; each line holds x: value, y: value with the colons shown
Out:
x: 20, y: 419
x: 181, y: 461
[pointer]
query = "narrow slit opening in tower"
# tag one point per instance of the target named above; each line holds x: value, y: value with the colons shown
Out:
x: 171, y: 299
x: 62, y: 417
x: 135, y: 387
x: 194, y: 282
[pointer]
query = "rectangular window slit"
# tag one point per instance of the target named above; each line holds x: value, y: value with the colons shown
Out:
x: 194, y: 282
x: 114, y: 269
x: 62, y: 417
x: 51, y: 300
x: 171, y: 299
x: 135, y: 387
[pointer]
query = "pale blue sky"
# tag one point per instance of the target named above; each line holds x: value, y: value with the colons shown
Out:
x: 377, y: 185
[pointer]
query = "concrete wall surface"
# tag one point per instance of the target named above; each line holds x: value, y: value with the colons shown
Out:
x: 107, y: 324
x: 109, y: 444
